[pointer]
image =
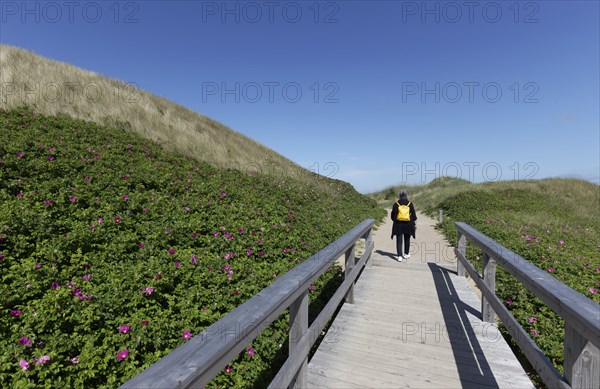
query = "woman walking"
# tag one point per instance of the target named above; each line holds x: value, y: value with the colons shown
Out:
x: 404, y: 217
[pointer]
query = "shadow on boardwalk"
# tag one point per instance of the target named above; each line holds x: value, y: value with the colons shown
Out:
x: 471, y: 363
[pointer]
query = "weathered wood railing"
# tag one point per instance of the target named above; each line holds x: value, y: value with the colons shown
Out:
x: 197, y: 361
x: 581, y: 315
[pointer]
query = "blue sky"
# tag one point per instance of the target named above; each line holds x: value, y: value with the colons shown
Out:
x: 386, y: 91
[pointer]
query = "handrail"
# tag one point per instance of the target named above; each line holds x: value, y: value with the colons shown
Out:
x: 581, y: 315
x: 201, y: 358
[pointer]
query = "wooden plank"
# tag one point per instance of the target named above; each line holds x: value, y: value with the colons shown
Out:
x: 489, y: 278
x: 198, y: 360
x: 316, y: 380
x: 426, y: 336
x: 350, y: 263
x: 410, y: 367
x: 462, y: 249
x: 368, y: 241
x: 333, y: 378
x: 582, y: 360
x: 298, y: 327
x: 576, y: 309
x: 380, y: 376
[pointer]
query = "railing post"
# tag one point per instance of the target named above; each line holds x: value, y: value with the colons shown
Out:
x: 441, y: 216
x: 489, y: 278
x: 299, y: 326
x: 582, y: 360
x: 350, y: 262
x: 368, y: 241
x: 462, y: 248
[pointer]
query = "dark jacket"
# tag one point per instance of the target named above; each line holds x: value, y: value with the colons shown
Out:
x: 407, y: 227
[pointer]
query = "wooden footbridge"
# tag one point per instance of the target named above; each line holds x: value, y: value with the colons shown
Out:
x: 416, y: 324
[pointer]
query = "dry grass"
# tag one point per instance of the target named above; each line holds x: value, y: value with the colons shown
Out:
x: 52, y: 87
x: 582, y: 198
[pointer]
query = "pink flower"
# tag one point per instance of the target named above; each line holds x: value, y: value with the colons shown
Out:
x: 117, y: 220
x: 124, y: 329
x: 194, y: 260
x: 87, y: 277
x: 144, y: 323
x: 177, y: 264
x: 251, y: 351
x: 38, y: 265
x: 15, y: 312
x: 532, y: 319
x: 228, y: 256
x: 148, y: 290
x: 19, y: 194
x: 158, y: 276
x: 122, y: 354
x: 248, y: 252
x: 561, y: 242
x: 535, y: 333
x: 42, y: 360
x: 125, y: 198
x: 24, y: 341
x: 228, y: 369
x: 73, y: 199
x: 171, y: 251
x: 593, y: 290
x: 216, y: 233
x: 47, y: 202
x: 186, y: 335
x: 55, y: 285
x: 20, y: 155
x: 74, y: 360
x: 141, y: 245
x: 24, y: 364
x: 550, y: 270
x: 312, y: 287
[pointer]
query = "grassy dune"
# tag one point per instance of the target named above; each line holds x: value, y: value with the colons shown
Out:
x: 129, y: 223
x: 52, y: 87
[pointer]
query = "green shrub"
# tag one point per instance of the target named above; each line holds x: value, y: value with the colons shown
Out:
x: 100, y: 229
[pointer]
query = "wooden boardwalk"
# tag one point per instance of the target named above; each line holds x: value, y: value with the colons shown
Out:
x: 414, y: 324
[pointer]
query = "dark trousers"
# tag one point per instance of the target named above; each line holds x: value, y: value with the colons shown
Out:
x: 399, y: 243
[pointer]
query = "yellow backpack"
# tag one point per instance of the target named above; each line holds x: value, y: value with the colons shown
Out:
x: 403, y: 212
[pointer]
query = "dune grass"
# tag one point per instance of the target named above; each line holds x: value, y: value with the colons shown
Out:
x: 51, y: 87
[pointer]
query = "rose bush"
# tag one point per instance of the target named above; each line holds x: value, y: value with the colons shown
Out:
x: 113, y: 252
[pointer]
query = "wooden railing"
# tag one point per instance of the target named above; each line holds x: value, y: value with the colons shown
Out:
x: 200, y: 359
x: 581, y: 315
